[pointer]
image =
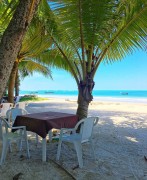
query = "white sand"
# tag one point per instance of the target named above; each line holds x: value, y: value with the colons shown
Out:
x: 120, y: 141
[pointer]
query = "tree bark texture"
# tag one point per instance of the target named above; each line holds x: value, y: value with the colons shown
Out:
x: 5, y: 92
x: 12, y: 82
x: 17, y: 84
x: 12, y: 38
x: 82, y: 110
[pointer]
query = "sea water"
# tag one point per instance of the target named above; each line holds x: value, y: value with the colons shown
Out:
x: 107, y: 95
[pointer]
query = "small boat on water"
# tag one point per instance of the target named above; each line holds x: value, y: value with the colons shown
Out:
x: 33, y: 92
x: 48, y: 92
x: 124, y: 93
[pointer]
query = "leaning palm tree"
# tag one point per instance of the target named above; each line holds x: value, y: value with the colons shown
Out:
x: 30, y: 57
x: 25, y: 68
x: 33, y: 55
x: 13, y: 35
x: 92, y: 32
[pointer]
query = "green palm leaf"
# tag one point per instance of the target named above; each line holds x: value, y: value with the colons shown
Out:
x: 106, y: 30
x: 28, y: 67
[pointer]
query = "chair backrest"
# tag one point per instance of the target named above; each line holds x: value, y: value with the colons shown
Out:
x: 86, y: 127
x: 17, y: 98
x: 12, y: 113
x: 3, y: 127
x: 5, y: 107
x: 21, y: 105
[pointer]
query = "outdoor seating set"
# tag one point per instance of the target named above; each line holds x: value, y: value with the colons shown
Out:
x: 17, y: 119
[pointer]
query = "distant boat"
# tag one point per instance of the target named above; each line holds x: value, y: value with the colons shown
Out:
x: 33, y: 92
x: 124, y: 93
x: 48, y: 92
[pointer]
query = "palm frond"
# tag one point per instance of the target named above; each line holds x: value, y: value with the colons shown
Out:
x: 112, y: 28
x: 131, y: 33
x: 7, y: 8
x: 28, y: 67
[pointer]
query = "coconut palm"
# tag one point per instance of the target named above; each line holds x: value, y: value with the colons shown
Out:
x: 24, y: 69
x: 33, y: 47
x: 33, y: 55
x: 13, y: 36
x: 91, y: 32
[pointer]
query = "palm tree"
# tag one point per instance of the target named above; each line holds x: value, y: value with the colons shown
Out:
x: 34, y: 53
x: 25, y: 68
x: 12, y: 37
x: 91, y: 32
x: 31, y: 56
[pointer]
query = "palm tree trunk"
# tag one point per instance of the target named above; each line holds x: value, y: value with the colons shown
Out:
x: 12, y: 82
x: 17, y: 83
x: 12, y: 38
x: 82, y: 110
x: 85, y: 96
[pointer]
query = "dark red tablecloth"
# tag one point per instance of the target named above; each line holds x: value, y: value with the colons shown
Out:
x: 42, y: 123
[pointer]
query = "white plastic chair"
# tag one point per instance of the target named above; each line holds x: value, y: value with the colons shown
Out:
x: 21, y: 105
x: 12, y: 113
x: 17, y: 98
x: 7, y: 137
x: 85, y: 135
x: 11, y: 116
x: 5, y: 107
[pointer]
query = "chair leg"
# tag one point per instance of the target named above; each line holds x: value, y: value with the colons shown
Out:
x: 27, y: 149
x: 92, y: 148
x: 59, y: 150
x: 78, y: 148
x: 27, y: 145
x: 50, y: 135
x: 44, y: 149
x: 19, y: 145
x: 4, y: 151
x: 10, y: 147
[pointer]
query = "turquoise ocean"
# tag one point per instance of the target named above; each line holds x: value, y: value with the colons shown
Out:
x: 119, y: 95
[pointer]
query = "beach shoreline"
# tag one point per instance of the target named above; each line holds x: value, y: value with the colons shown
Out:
x: 97, y: 98
x: 98, y: 95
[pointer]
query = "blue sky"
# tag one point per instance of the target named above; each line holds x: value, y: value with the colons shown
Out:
x: 128, y: 74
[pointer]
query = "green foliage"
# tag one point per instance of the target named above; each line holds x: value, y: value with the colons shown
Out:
x: 96, y: 31
x: 78, y: 35
x: 32, y: 98
x: 7, y: 8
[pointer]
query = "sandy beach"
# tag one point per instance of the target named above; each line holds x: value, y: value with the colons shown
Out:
x: 120, y: 142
